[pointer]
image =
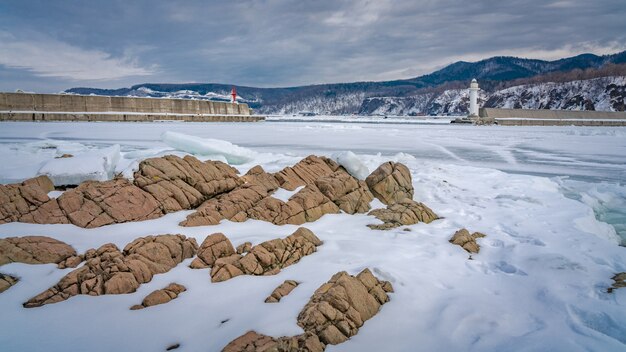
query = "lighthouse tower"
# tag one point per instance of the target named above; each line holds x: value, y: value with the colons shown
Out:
x: 473, y: 98
x: 233, y: 95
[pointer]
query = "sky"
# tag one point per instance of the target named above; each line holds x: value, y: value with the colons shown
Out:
x: 50, y: 46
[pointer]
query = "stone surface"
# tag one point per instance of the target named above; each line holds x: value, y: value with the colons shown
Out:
x: 466, y: 240
x: 403, y: 212
x: 34, y: 250
x: 305, y: 172
x: 29, y: 202
x: 110, y: 271
x: 244, y: 247
x: 6, y: 281
x: 95, y: 204
x: 334, y: 313
x: 215, y: 246
x: 184, y: 183
x: 390, y: 182
x: 281, y: 291
x: 161, y: 296
x: 620, y: 281
x: 267, y: 258
x: 349, y: 194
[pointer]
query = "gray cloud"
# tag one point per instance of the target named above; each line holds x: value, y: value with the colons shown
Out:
x: 284, y: 42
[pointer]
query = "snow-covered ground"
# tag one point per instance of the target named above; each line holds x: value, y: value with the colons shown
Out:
x: 538, y: 284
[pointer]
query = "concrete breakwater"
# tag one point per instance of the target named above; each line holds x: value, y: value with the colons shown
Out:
x: 528, y: 117
x: 62, y: 107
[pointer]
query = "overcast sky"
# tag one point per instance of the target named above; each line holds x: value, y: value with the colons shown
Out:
x: 49, y: 46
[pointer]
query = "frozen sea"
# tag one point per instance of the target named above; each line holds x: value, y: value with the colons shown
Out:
x: 552, y: 201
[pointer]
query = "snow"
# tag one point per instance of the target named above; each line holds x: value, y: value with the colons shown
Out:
x: 284, y: 195
x: 234, y: 154
x: 352, y: 164
x: 539, y: 282
x: 97, y: 165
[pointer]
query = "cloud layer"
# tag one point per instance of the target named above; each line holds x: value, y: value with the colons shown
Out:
x: 285, y: 42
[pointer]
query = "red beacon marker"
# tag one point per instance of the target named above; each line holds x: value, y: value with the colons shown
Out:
x: 233, y: 93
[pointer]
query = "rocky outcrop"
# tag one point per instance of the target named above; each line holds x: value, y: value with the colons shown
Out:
x: 390, y: 182
x: 305, y: 172
x: 6, y: 281
x: 620, y: 281
x: 29, y: 202
x: 403, y: 212
x: 281, y: 291
x: 184, y: 183
x: 267, y: 258
x: 334, y: 313
x: 244, y: 247
x: 161, y: 296
x: 349, y: 194
x: 108, y: 270
x: 36, y: 250
x: 466, y: 240
x: 215, y: 246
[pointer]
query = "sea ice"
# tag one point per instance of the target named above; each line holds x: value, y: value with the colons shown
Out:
x: 234, y: 154
x: 97, y: 165
x: 352, y: 163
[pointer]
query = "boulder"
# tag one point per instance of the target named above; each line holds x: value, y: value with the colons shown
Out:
x: 215, y: 246
x: 94, y: 204
x: 403, y: 212
x: 281, y: 291
x: 161, y: 296
x: 390, y: 182
x: 348, y: 193
x: 258, y: 176
x: 108, y: 270
x: 305, y: 172
x: 34, y: 250
x: 29, y: 202
x: 184, y: 183
x: 334, y: 313
x: 267, y: 258
x: 244, y: 248
x: 466, y: 240
x: 620, y: 281
x: 6, y: 281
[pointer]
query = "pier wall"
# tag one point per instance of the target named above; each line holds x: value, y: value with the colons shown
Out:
x: 528, y: 117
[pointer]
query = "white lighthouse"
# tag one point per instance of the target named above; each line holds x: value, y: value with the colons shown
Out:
x: 473, y: 98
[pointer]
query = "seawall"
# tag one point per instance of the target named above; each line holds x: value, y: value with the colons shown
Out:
x: 528, y: 117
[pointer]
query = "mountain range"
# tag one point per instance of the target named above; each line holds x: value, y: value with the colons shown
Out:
x: 583, y: 82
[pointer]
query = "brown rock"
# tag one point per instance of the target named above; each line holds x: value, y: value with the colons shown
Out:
x: 349, y: 194
x: 34, y: 250
x: 244, y: 247
x: 281, y: 291
x: 620, y: 281
x: 95, y: 204
x: 29, y: 202
x: 334, y: 313
x: 184, y: 183
x: 403, y: 212
x: 64, y: 156
x: 215, y: 246
x: 258, y: 176
x: 267, y: 258
x: 466, y: 240
x: 161, y: 296
x: 390, y: 183
x: 108, y: 270
x: 6, y: 281
x: 305, y: 172
x: 71, y: 262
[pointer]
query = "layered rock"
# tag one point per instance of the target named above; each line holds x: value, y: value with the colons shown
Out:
x: 267, y: 258
x: 334, y: 313
x: 620, y: 281
x: 466, y: 240
x: 403, y: 212
x: 36, y: 250
x: 94, y: 204
x: 161, y: 296
x: 305, y: 172
x: 108, y: 270
x: 215, y: 246
x: 184, y: 183
x: 6, y: 281
x: 281, y: 291
x: 390, y: 182
x: 29, y: 202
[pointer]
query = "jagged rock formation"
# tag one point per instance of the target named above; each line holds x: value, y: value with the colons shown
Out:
x: 334, y: 313
x: 110, y: 271
x: 305, y: 172
x: 37, y: 250
x: 390, y: 182
x: 184, y: 183
x: 29, y: 202
x: 267, y: 258
x: 161, y: 296
x: 403, y: 212
x: 215, y: 246
x: 620, y: 281
x: 466, y: 240
x: 244, y: 247
x: 6, y: 281
x: 281, y: 291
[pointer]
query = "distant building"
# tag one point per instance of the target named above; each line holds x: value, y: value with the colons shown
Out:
x: 473, y: 98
